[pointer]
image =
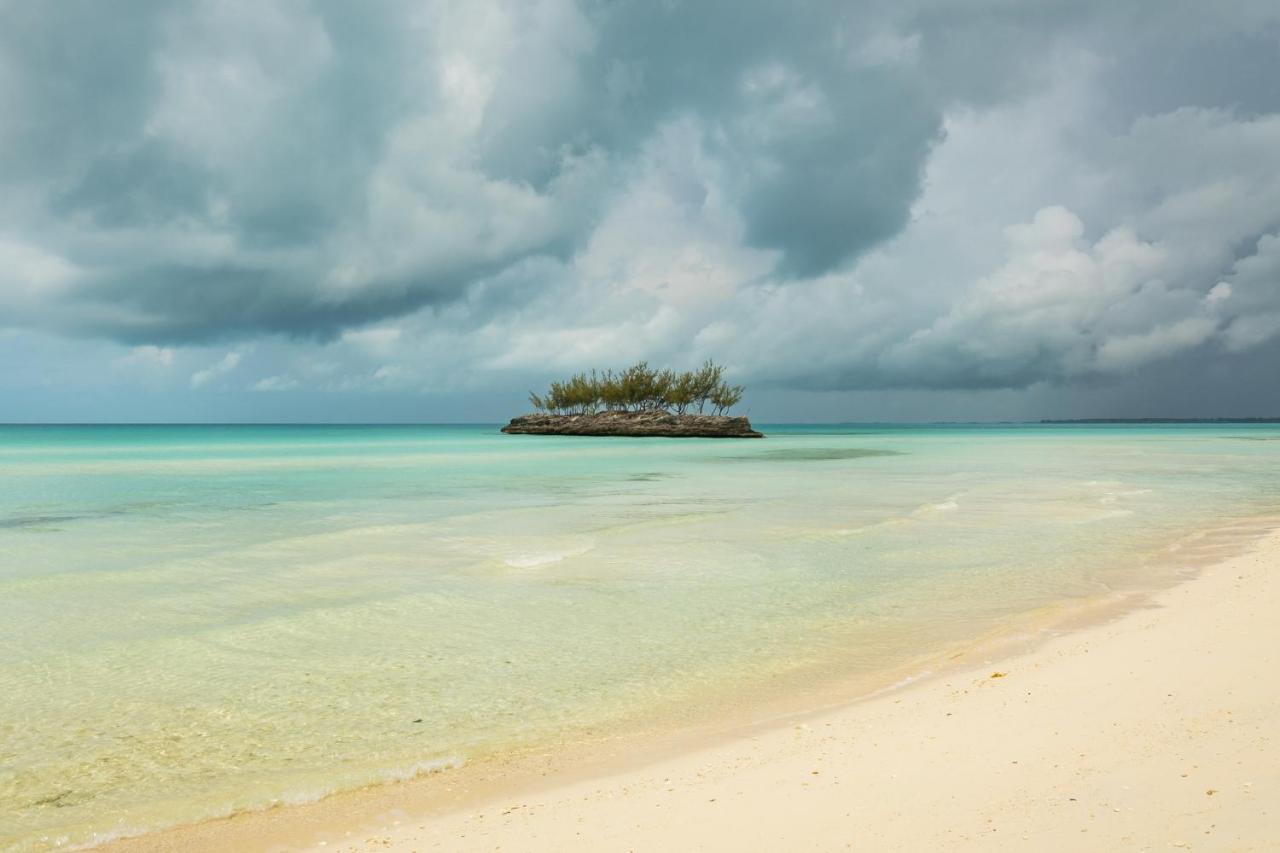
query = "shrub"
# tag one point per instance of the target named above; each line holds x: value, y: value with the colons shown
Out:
x: 640, y: 388
x: 725, y: 397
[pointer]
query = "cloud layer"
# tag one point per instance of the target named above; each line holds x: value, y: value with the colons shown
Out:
x: 434, y: 196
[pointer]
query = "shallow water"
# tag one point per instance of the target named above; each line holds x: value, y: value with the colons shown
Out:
x: 199, y: 620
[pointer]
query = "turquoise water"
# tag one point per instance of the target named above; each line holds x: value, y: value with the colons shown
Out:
x: 198, y: 620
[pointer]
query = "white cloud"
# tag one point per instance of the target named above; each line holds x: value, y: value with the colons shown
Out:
x: 378, y: 340
x: 388, y: 373
x: 1250, y: 331
x: 275, y: 383
x: 148, y: 357
x: 886, y: 47
x: 1044, y: 313
x: 1218, y: 294
x: 1125, y: 352
x: 226, y: 67
x: 218, y: 369
x: 29, y: 278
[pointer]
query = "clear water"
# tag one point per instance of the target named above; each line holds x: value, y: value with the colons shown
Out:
x: 197, y: 620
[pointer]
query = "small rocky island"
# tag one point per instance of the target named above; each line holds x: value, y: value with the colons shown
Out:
x: 634, y: 423
x: 638, y: 401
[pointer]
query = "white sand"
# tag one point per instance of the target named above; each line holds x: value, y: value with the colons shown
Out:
x: 1156, y: 731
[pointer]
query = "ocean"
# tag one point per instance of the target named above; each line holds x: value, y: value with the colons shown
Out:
x: 200, y: 620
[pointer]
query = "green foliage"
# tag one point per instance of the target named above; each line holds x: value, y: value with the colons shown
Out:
x: 640, y: 388
x: 725, y: 397
x: 682, y: 393
x: 705, y: 382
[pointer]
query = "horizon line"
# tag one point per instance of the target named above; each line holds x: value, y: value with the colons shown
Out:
x: 940, y: 422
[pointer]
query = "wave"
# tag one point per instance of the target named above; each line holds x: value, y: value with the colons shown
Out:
x: 1112, y: 497
x: 535, y: 559
x: 950, y: 503
x: 406, y: 773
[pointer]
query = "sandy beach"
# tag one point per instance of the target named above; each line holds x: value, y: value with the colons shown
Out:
x: 1156, y: 730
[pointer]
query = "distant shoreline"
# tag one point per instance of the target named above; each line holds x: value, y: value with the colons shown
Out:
x: 1161, y: 421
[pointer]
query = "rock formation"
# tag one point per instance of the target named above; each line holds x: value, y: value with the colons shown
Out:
x: 642, y: 423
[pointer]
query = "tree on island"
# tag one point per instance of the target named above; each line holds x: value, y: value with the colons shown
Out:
x: 640, y: 388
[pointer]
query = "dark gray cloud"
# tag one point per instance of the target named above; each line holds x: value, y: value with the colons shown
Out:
x: 275, y: 139
x: 828, y: 195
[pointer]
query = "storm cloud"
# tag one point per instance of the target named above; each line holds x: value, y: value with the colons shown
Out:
x: 824, y: 195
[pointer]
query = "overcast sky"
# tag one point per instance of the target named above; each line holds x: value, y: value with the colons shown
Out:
x: 418, y: 211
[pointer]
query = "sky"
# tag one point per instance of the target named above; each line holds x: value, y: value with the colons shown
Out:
x: 419, y: 211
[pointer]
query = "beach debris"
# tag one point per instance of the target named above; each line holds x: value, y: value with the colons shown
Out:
x: 1210, y: 792
x: 418, y: 720
x: 998, y: 674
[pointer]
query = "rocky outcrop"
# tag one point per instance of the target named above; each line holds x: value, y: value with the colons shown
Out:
x: 651, y: 423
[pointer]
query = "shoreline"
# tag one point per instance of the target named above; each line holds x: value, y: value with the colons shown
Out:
x: 425, y: 811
